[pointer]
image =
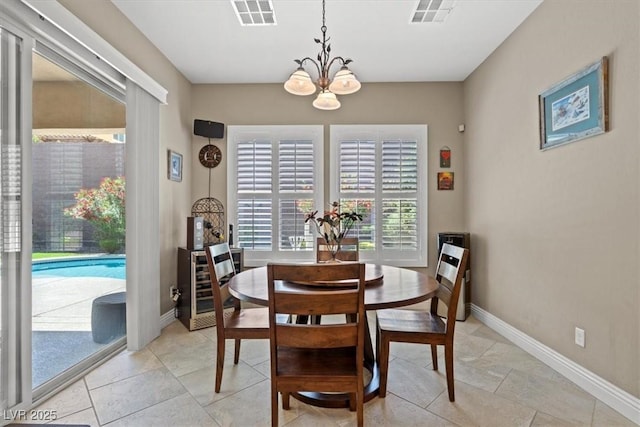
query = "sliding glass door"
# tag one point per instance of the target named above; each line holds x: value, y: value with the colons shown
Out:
x: 54, y: 112
x: 48, y: 30
x: 78, y: 210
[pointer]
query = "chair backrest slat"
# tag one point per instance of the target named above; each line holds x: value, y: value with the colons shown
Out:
x: 221, y: 267
x: 323, y: 336
x: 223, y: 260
x: 341, y: 301
x: 450, y: 274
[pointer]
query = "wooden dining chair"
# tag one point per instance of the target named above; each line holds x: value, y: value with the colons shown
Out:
x: 238, y: 323
x: 317, y: 358
x: 348, y: 250
x: 422, y: 327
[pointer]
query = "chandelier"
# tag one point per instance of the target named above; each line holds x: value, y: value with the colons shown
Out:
x: 344, y: 81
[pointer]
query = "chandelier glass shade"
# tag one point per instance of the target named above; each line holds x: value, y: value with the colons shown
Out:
x: 344, y: 82
x: 326, y: 100
x: 300, y: 83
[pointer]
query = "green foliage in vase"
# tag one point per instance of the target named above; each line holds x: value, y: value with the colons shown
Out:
x: 334, y: 225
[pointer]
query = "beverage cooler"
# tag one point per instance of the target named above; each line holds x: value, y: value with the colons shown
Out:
x: 462, y: 240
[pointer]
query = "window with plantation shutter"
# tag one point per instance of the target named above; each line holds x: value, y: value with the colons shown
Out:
x: 274, y: 179
x: 358, y: 166
x: 254, y: 167
x: 380, y: 171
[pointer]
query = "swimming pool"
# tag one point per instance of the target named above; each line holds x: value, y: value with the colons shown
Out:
x: 109, y: 267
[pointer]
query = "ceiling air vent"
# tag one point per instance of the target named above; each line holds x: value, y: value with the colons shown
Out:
x: 432, y: 11
x: 254, y: 12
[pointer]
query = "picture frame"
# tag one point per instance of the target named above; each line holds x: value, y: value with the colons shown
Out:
x: 576, y: 108
x: 174, y: 166
x: 445, y: 180
x: 445, y: 157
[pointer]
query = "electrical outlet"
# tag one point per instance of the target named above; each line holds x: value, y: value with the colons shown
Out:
x: 580, y: 337
x: 172, y: 291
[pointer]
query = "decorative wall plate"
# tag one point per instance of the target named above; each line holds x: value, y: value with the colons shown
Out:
x: 210, y: 156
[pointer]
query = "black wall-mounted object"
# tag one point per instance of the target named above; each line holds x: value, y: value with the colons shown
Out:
x: 208, y: 129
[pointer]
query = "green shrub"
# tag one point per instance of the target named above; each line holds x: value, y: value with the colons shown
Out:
x: 104, y: 208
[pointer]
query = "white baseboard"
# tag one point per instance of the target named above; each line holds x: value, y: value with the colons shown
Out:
x: 613, y: 396
x: 166, y: 319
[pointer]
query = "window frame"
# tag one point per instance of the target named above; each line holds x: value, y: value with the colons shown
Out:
x: 377, y: 133
x: 274, y: 133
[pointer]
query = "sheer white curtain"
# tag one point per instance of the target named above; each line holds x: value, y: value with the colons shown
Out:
x: 143, y: 223
x: 15, y: 231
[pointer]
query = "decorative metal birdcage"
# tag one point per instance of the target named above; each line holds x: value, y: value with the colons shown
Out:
x: 212, y: 212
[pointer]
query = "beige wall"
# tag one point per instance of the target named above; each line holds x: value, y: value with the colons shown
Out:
x: 555, y: 233
x: 439, y: 105
x: 175, y: 126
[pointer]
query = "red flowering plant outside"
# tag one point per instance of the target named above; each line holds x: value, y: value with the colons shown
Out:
x: 104, y: 208
x: 333, y: 226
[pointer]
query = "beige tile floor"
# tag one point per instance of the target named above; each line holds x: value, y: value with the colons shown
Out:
x: 170, y: 383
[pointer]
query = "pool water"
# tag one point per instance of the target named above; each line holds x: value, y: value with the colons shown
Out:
x: 113, y: 268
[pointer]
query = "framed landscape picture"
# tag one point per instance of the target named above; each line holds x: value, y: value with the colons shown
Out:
x: 575, y: 108
x: 174, y: 166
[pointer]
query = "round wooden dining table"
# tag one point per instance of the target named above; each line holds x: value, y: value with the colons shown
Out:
x: 386, y: 287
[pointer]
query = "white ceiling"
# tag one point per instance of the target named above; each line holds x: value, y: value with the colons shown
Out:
x: 205, y: 41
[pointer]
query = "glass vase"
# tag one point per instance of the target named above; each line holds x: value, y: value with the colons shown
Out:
x: 334, y: 249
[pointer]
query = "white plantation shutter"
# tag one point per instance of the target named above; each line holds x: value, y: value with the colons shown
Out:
x: 358, y: 166
x: 399, y: 166
x: 399, y: 229
x: 254, y: 227
x: 254, y: 177
x: 382, y: 173
x: 399, y: 189
x: 274, y: 179
x: 254, y: 167
x: 296, y: 172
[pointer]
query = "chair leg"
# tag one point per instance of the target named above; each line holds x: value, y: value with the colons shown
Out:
x: 236, y: 353
x: 274, y: 405
x: 286, y: 400
x: 377, y: 341
x: 360, y: 408
x: 448, y: 362
x: 434, y: 356
x: 383, y: 363
x: 353, y: 404
x: 219, y: 363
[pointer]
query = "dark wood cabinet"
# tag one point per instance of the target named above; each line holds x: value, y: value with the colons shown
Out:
x: 195, y: 305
